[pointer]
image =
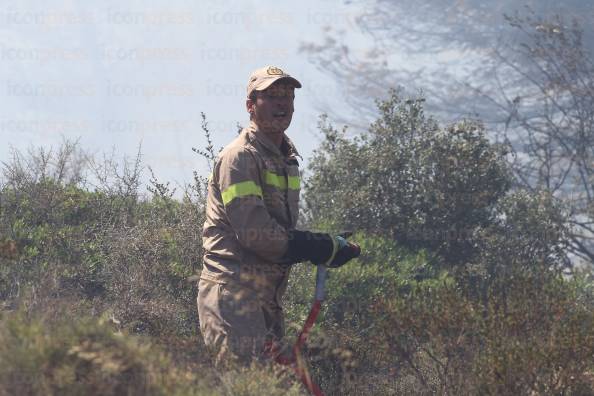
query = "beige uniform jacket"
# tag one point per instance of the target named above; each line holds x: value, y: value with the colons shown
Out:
x: 253, y: 198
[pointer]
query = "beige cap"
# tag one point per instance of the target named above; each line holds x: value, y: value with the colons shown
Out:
x: 265, y: 76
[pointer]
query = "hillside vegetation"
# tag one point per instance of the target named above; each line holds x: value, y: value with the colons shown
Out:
x: 464, y: 287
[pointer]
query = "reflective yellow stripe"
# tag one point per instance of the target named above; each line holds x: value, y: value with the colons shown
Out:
x: 280, y: 182
x: 294, y: 182
x: 241, y: 190
x: 275, y: 180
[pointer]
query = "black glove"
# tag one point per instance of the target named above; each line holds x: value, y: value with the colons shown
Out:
x: 320, y: 248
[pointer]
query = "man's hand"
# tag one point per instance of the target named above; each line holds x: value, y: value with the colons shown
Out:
x: 321, y: 249
x: 346, y: 251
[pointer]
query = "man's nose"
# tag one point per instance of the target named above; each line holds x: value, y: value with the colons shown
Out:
x: 282, y: 100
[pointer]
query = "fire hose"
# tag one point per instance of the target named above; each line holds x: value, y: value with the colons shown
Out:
x: 296, y: 361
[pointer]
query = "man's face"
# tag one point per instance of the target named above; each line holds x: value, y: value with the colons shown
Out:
x: 273, y: 108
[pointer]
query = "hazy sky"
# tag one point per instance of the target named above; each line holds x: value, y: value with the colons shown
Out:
x: 116, y: 74
x: 119, y: 73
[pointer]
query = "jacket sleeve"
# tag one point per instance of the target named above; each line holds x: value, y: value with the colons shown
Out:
x: 240, y: 185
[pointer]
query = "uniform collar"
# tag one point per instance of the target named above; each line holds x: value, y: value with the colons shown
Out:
x: 267, y: 143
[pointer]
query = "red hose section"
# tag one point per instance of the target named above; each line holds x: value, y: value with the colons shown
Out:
x: 309, y: 322
x: 305, y: 378
x: 297, y: 364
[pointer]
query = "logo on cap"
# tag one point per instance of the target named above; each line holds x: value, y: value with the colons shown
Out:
x: 275, y: 71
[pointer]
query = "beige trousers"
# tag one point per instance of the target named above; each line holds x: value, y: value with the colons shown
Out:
x: 235, y: 322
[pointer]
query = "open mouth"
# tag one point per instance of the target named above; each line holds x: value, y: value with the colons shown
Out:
x: 280, y: 114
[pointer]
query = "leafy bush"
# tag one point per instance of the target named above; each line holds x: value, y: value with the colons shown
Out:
x: 260, y: 380
x: 82, y: 357
x: 408, y: 324
x: 107, y: 248
x: 409, y: 179
x: 341, y: 358
x: 528, y: 238
x: 532, y: 338
x: 392, y: 324
x: 87, y: 356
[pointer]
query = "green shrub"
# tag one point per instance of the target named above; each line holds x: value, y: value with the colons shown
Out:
x: 80, y: 355
x: 393, y: 324
x: 110, y: 248
x: 260, y: 380
x: 341, y: 357
x: 528, y: 238
x: 530, y: 338
x: 528, y: 234
x: 408, y: 179
x: 83, y: 356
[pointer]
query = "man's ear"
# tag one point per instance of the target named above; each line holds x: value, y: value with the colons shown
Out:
x: 249, y: 105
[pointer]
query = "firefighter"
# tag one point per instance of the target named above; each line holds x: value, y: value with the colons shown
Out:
x: 249, y: 235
